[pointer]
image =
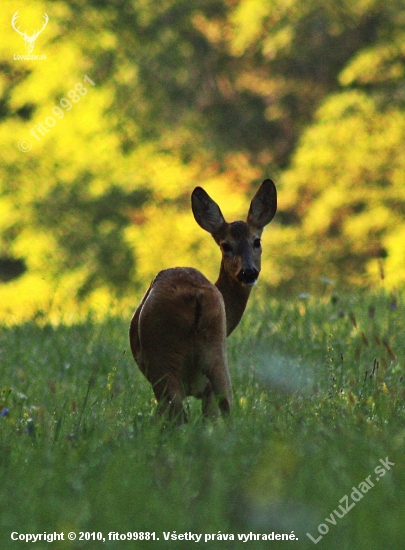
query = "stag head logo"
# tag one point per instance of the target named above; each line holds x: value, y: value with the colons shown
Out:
x: 29, y: 40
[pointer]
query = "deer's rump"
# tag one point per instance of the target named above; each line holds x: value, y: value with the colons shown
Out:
x: 181, y: 329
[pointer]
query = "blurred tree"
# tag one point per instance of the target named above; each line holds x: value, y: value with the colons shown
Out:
x: 176, y: 93
x: 345, y: 191
x: 344, y: 195
x: 241, y: 76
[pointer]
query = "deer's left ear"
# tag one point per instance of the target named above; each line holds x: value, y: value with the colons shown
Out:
x: 263, y: 206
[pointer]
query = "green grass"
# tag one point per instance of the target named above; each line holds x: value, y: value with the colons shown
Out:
x: 81, y: 450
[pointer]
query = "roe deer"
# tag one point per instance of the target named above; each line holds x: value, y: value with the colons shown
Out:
x: 178, y: 332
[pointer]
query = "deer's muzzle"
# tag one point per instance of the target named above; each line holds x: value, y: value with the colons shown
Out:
x: 248, y: 276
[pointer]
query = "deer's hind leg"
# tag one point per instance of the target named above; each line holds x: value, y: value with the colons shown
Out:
x: 218, y: 393
x: 213, y: 362
x: 169, y: 394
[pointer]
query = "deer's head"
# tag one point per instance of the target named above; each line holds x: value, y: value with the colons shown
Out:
x: 240, y: 242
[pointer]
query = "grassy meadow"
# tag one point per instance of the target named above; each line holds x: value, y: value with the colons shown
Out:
x: 319, y: 399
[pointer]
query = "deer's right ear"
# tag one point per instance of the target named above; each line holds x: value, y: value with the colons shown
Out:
x: 206, y: 211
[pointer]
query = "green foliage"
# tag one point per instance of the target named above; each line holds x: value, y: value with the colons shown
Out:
x: 319, y: 400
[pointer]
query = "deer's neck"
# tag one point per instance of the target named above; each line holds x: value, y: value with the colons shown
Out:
x: 235, y: 296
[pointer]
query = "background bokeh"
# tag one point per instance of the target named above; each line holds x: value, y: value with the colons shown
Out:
x: 132, y: 103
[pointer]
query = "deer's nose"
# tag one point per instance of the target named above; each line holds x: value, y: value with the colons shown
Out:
x: 248, y: 276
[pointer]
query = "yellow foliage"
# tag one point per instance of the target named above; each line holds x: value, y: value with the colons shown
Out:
x: 76, y: 139
x: 379, y: 63
x: 247, y: 22
x: 80, y: 140
x: 347, y: 185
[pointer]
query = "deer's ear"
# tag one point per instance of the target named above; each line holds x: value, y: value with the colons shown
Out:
x: 263, y: 206
x: 206, y: 211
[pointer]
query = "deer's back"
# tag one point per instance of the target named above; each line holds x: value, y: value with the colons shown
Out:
x: 180, y: 319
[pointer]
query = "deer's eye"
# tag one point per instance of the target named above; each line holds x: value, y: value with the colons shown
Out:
x: 226, y: 247
x: 256, y: 243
